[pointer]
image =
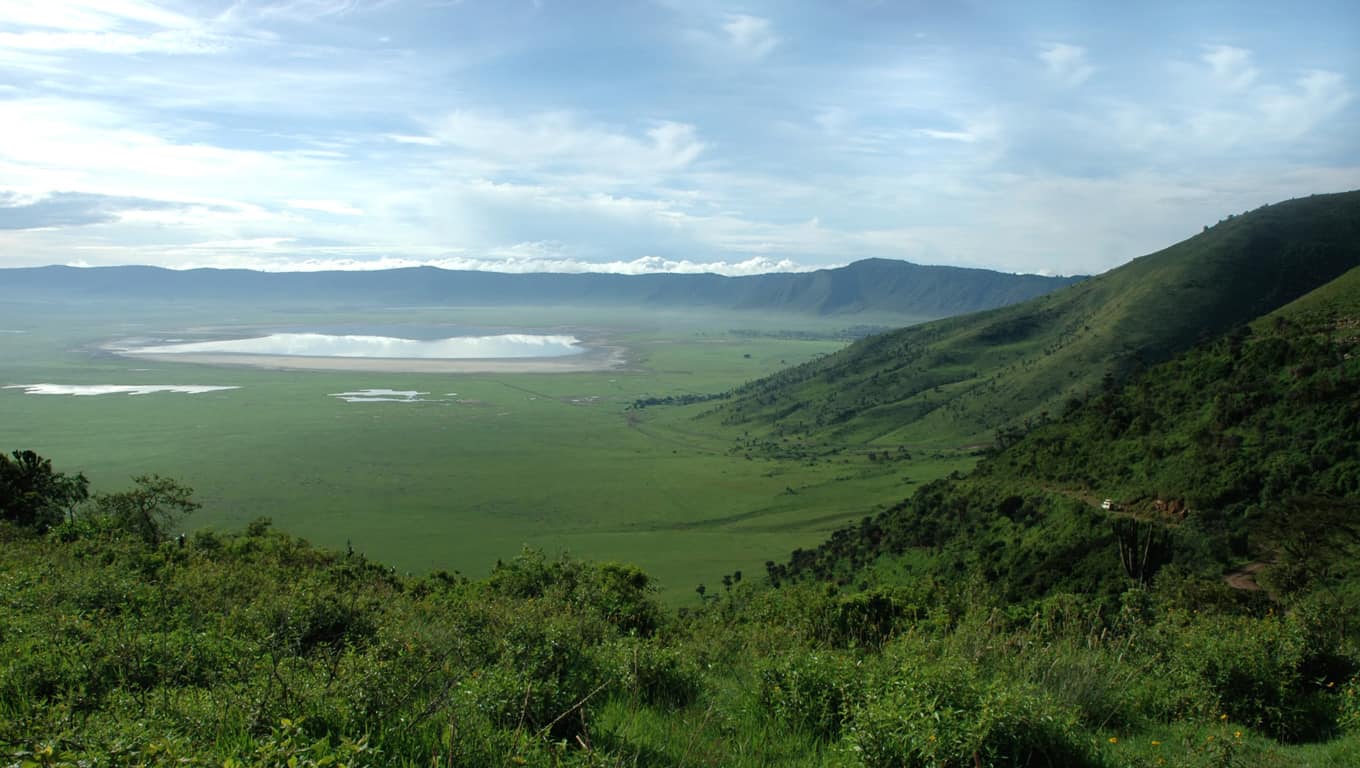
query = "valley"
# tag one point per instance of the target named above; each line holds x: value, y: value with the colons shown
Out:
x: 753, y: 538
x: 464, y: 462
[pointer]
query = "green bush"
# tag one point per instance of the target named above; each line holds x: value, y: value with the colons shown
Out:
x: 868, y: 619
x: 321, y: 619
x: 544, y: 673
x: 1252, y: 670
x: 940, y: 714
x: 814, y: 691
x: 655, y: 674
x: 621, y: 594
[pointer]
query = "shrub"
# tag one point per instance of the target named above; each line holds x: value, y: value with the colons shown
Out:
x: 656, y: 674
x: 543, y: 673
x: 868, y: 619
x: 941, y: 715
x: 814, y: 691
x: 621, y: 594
x: 313, y: 620
x: 1252, y: 670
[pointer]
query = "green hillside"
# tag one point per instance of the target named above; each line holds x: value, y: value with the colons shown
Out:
x: 1245, y: 448
x: 959, y: 380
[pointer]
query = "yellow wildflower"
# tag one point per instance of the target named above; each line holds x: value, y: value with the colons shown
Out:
x: 1114, y: 739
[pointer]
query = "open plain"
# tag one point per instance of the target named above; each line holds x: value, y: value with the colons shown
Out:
x: 472, y: 459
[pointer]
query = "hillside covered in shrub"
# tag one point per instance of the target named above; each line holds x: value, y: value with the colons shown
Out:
x: 256, y: 649
x: 1244, y: 449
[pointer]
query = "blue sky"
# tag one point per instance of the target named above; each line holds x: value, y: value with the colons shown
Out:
x: 732, y: 137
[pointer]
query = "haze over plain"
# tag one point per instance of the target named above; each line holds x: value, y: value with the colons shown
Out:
x: 658, y: 136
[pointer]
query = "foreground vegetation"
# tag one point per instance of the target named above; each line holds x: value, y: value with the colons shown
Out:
x: 257, y: 649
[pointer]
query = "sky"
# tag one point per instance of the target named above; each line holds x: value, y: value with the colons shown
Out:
x: 659, y: 135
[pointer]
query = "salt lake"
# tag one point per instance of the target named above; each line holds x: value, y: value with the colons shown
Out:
x: 502, y: 346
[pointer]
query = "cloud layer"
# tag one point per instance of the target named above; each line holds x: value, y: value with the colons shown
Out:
x: 659, y: 136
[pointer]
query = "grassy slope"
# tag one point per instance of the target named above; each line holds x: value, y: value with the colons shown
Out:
x: 959, y: 380
x: 1242, y: 447
x: 1268, y: 412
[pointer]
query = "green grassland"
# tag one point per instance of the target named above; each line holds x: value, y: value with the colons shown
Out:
x: 553, y: 461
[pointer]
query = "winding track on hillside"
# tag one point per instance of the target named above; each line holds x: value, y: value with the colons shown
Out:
x: 1241, y: 578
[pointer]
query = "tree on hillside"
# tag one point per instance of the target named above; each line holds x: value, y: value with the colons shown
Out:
x: 150, y: 508
x: 33, y: 495
x: 1312, y: 536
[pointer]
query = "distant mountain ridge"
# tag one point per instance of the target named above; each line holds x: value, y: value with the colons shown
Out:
x: 960, y: 379
x: 873, y: 285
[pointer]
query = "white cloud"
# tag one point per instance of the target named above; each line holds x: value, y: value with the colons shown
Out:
x: 557, y: 142
x: 966, y: 137
x: 509, y: 145
x: 308, y: 10
x: 69, y: 146
x: 750, y: 35
x: 333, y: 207
x: 1066, y: 63
x: 90, y: 138
x: 1231, y: 66
x: 1317, y: 95
x: 172, y: 42
x: 284, y: 255
x: 401, y: 138
x: 114, y: 27
x: 1214, y: 112
x: 90, y: 15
